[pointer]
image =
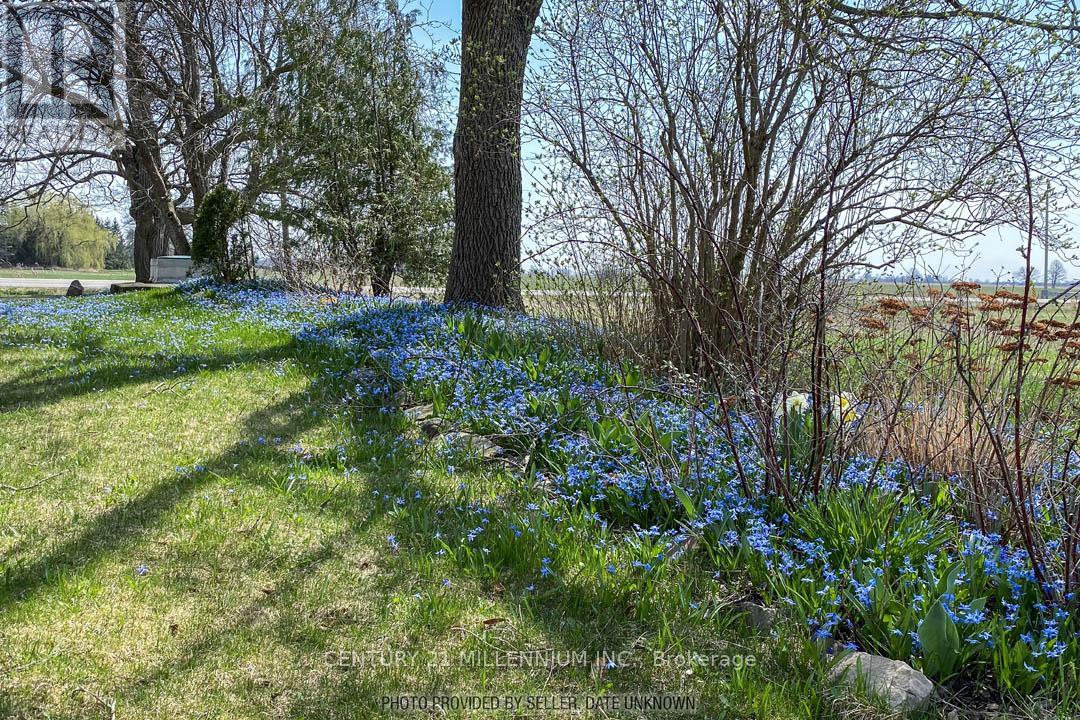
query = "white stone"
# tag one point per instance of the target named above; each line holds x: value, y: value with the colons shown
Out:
x: 902, y: 686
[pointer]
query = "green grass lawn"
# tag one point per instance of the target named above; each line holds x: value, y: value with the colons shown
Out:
x: 15, y: 293
x: 66, y: 274
x: 193, y: 523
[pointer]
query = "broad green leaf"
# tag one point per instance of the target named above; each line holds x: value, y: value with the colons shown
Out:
x: 940, y: 641
x: 687, y: 503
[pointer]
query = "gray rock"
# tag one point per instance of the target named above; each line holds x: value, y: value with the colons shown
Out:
x: 432, y: 426
x: 75, y: 289
x: 478, y: 444
x: 481, y: 446
x: 759, y: 616
x: 420, y: 412
x: 903, y: 687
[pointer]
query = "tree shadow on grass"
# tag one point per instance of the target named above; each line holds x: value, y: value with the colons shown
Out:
x: 567, y: 616
x: 253, y: 616
x: 352, y: 690
x: 37, y: 388
x: 119, y: 527
x: 112, y: 369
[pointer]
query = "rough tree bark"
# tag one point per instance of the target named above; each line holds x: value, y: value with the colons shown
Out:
x: 484, y: 263
x: 157, y: 226
x: 149, y: 240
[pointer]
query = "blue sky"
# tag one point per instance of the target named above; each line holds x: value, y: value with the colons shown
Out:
x: 994, y: 254
x: 445, y: 13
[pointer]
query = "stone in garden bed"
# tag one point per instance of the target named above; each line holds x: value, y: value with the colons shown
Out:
x: 479, y: 444
x: 902, y: 686
x: 424, y: 416
x: 437, y: 428
x: 420, y: 412
x: 759, y: 616
x: 432, y: 426
x: 401, y: 398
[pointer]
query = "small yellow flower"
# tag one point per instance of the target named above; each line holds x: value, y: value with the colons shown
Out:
x: 845, y: 405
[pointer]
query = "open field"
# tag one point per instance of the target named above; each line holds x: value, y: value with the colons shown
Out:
x: 920, y: 290
x: 67, y: 274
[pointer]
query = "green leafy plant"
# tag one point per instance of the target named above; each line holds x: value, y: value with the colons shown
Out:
x: 940, y: 642
x: 216, y: 244
x: 352, y: 142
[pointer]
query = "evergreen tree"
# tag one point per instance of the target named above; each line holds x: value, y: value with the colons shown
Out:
x: 352, y: 146
x: 122, y: 254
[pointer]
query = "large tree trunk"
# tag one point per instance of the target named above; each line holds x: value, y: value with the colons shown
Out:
x: 382, y: 265
x: 484, y: 264
x: 149, y: 241
x: 156, y: 230
x: 177, y: 238
x: 156, y: 225
x: 381, y: 283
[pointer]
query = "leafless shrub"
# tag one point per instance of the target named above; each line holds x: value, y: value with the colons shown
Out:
x: 743, y: 159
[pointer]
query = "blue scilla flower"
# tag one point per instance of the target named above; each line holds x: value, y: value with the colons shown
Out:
x: 436, y: 352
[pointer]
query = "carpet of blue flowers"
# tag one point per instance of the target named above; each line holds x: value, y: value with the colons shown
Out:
x: 884, y: 562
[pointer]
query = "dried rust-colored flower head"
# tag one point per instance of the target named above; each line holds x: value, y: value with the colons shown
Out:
x: 919, y: 313
x: 965, y: 286
x: 1064, y: 381
x: 872, y: 323
x: 891, y: 306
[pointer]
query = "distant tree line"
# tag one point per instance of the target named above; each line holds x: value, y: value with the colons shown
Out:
x: 61, y: 233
